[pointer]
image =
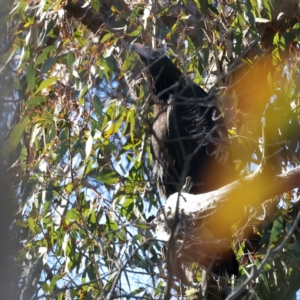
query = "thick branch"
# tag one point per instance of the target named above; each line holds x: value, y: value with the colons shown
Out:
x: 221, y: 207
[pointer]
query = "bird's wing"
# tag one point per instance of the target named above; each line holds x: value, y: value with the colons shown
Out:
x: 195, y: 121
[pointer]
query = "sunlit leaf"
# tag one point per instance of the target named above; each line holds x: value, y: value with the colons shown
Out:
x: 108, y: 176
x: 262, y: 20
x: 31, y: 224
x: 135, y: 32
x: 46, y: 83
x: 127, y: 208
x: 88, y: 146
x: 107, y: 37
x: 72, y: 215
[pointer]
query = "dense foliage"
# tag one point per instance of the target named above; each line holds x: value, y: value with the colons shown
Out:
x: 78, y: 115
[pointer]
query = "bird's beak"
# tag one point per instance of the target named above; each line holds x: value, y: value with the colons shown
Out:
x: 141, y: 50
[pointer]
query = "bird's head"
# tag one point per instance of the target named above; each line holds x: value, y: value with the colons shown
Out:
x: 164, y: 73
x: 148, y: 55
x: 155, y: 59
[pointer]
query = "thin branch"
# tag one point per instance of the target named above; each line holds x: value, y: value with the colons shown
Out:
x: 271, y: 252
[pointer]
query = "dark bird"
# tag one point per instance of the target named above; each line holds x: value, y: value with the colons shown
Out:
x: 189, y: 134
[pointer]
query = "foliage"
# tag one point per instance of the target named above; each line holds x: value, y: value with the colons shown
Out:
x: 81, y: 151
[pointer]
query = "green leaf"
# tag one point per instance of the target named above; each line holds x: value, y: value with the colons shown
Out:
x: 96, y: 4
x: 110, y: 225
x: 10, y: 54
x: 91, y: 272
x: 47, y: 82
x: 128, y: 64
x: 72, y: 215
x: 108, y: 176
x: 276, y: 229
x: 53, y: 33
x: 267, y: 7
x: 16, y: 135
x: 132, y: 127
x: 93, y: 218
x: 69, y: 188
x: 137, y: 238
x: 98, y: 105
x: 71, y: 60
x: 106, y: 37
x: 135, y: 32
x: 48, y: 65
x: 43, y: 56
x: 138, y: 290
x: 249, y: 13
x: 78, y: 34
x: 135, y: 13
x: 31, y: 224
x: 53, y: 282
x: 173, y: 29
x: 127, y: 208
x: 44, y: 286
x: 291, y: 254
x: 111, y: 128
x: 35, y: 101
x: 265, y: 279
x: 31, y: 71
x: 83, y: 91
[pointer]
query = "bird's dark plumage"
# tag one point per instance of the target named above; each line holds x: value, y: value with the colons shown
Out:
x: 189, y: 132
x: 190, y: 136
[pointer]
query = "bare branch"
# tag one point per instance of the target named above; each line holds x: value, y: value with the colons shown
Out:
x: 230, y: 200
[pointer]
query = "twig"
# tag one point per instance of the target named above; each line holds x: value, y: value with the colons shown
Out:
x: 271, y: 252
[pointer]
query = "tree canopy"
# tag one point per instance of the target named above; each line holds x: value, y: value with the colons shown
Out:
x: 76, y: 121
